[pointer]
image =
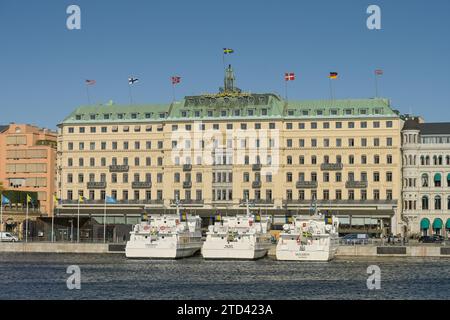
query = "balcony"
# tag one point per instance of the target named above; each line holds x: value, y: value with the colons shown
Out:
x: 187, y: 167
x: 187, y: 184
x: 331, y: 166
x: 96, y: 185
x: 119, y: 168
x: 327, y: 203
x: 356, y: 184
x: 186, y: 202
x: 256, y: 202
x: 256, y: 167
x: 256, y: 184
x: 306, y: 184
x: 141, y: 185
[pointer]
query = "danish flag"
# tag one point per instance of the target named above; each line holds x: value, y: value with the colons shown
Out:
x: 289, y: 76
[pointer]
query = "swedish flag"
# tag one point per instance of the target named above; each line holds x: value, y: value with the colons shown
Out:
x: 227, y: 50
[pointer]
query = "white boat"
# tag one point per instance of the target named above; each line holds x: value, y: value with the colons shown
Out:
x: 309, y: 238
x: 243, y: 236
x: 165, y: 236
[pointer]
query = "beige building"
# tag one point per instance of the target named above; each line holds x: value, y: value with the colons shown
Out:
x: 212, y: 152
x: 27, y: 164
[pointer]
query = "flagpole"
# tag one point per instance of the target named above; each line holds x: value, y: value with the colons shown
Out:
x: 104, y: 223
x: 285, y: 90
x: 53, y: 221
x: 376, y: 85
x: 78, y: 221
x: 331, y: 90
x: 88, y: 94
x: 26, y: 223
x: 131, y: 96
x: 173, y: 91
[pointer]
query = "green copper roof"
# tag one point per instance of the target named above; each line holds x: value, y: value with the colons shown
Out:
x: 233, y: 106
x: 118, y: 113
x: 340, y: 108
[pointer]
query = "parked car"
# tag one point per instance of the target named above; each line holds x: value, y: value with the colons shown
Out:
x: 8, y: 237
x: 356, y: 238
x: 432, y: 239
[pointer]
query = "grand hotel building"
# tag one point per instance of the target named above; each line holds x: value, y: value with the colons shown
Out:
x: 210, y: 153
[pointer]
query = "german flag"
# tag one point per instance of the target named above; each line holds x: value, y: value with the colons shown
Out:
x: 227, y: 50
x: 333, y: 75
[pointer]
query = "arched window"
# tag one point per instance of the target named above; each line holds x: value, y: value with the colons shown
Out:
x: 448, y: 203
x: 424, y: 203
x: 448, y: 160
x: 424, y: 180
x: 437, y: 225
x: 437, y: 203
x: 437, y: 180
x: 422, y: 160
x: 435, y: 162
x: 440, y: 160
x: 427, y: 160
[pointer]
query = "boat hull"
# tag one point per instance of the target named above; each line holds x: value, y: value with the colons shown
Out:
x: 157, y: 251
x: 233, y: 251
x: 286, y: 252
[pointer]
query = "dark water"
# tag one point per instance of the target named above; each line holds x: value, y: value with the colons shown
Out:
x: 43, y: 276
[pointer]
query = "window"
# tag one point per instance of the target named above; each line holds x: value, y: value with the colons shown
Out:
x: 313, y: 125
x: 289, y: 126
x: 301, y: 143
x: 389, y: 159
x: 389, y: 142
x: 376, y: 124
x: 376, y: 176
x: 289, y: 143
x: 351, y: 142
x: 313, y: 143
x: 363, y: 142
x: 376, y: 142
x: 363, y: 159
x: 389, y: 176
x: 437, y: 180
x: 313, y: 160
x: 425, y: 205
x: 326, y: 125
x: 289, y: 177
x: 437, y: 203
x: 363, y: 124
x: 338, y: 125
x: 389, y: 196
x: 338, y: 142
x: 351, y: 125
x: 376, y: 194
x: 272, y: 125
x: 289, y: 160
x: 301, y: 125
x: 376, y: 159
x: 388, y: 124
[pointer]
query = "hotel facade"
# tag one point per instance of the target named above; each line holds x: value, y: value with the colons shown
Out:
x: 426, y: 177
x: 214, y: 152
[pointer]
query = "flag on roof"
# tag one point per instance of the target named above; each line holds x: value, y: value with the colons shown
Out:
x: 378, y: 72
x: 132, y: 80
x: 289, y: 76
x: 333, y: 75
x: 227, y: 50
x: 176, y: 79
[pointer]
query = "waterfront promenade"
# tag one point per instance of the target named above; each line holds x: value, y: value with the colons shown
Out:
x: 371, y: 250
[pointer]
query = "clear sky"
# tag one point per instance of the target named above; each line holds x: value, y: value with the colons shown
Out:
x: 43, y: 65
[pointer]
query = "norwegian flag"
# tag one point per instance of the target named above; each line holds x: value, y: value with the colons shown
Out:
x: 289, y: 76
x: 176, y: 79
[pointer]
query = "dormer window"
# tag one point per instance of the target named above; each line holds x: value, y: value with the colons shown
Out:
x: 134, y: 115
x: 305, y: 112
x: 362, y: 111
x: 377, y: 111
x: 348, y: 112
x: 148, y: 115
x: 92, y: 116
x: 290, y: 112
x: 251, y: 112
x: 319, y: 112
x: 120, y: 116
x: 162, y: 115
x: 106, y: 116
x: 334, y: 112
x: 223, y: 113
x: 237, y: 112
x: 184, y: 114
x: 197, y: 113
x: 78, y: 117
x: 264, y: 112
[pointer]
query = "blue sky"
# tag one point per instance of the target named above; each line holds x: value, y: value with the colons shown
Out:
x: 43, y: 65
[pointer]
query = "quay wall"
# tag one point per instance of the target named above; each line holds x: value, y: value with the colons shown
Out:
x: 343, y: 251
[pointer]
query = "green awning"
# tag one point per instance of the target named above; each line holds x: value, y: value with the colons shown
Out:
x: 425, y: 223
x: 437, y: 224
x: 437, y: 177
x: 447, y: 225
